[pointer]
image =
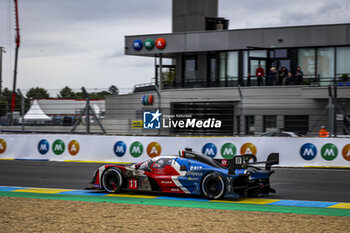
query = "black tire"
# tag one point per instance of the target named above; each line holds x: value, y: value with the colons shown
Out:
x: 213, y: 186
x: 112, y: 180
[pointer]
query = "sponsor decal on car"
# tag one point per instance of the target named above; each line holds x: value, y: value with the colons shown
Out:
x: 191, y: 173
x: 166, y: 182
x: 196, y: 168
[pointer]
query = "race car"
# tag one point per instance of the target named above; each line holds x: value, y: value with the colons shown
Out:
x: 188, y: 173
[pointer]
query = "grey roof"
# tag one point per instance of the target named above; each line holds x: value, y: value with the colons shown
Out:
x: 238, y: 39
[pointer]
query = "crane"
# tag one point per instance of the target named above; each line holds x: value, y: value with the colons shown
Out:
x: 18, y: 41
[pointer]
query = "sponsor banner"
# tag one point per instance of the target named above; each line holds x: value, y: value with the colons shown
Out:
x: 160, y: 44
x: 294, y: 152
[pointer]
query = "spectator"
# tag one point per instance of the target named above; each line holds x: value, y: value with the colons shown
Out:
x: 271, y: 79
x: 289, y: 80
x: 283, y: 74
x: 299, y: 76
x: 260, y: 73
x: 323, y: 133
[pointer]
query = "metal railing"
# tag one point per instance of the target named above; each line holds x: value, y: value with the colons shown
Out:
x: 244, y: 81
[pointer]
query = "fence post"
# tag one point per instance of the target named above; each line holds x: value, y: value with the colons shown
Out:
x: 87, y: 114
x: 241, y: 126
x: 159, y: 102
x: 335, y: 111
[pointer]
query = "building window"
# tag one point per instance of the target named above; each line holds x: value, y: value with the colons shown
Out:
x: 249, y: 56
x: 306, y: 60
x: 191, y: 69
x: 297, y: 124
x: 168, y: 75
x: 257, y: 53
x: 222, y: 71
x: 211, y: 69
x: 343, y: 61
x: 232, y: 68
x: 278, y: 53
x: 249, y: 125
x: 245, y: 65
x: 270, y: 123
x: 325, y: 65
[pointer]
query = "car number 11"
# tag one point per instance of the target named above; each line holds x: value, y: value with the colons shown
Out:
x: 133, y: 184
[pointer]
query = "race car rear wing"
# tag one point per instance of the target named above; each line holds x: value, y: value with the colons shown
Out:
x: 273, y: 158
x: 242, y: 162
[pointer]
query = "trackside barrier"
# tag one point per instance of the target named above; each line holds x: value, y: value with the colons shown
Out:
x: 294, y: 152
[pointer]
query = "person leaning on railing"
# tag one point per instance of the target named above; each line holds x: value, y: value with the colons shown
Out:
x: 260, y: 73
x: 282, y: 76
x: 289, y: 80
x: 299, y: 76
x: 271, y: 77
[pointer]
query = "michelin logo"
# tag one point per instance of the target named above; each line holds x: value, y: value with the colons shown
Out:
x: 151, y: 120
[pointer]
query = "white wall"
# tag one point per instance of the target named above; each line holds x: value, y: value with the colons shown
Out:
x: 336, y: 151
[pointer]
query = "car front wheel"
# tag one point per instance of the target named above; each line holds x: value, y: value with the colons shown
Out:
x: 112, y: 180
x: 213, y: 186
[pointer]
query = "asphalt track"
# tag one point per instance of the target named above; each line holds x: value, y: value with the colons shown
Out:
x: 311, y: 184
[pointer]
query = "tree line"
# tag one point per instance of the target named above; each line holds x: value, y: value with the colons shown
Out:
x: 42, y: 93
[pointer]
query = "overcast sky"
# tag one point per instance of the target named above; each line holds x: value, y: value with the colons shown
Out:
x: 80, y: 42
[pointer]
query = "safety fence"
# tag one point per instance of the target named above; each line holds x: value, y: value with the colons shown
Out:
x: 288, y: 111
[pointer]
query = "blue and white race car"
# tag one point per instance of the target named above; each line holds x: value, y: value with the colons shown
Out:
x: 190, y: 173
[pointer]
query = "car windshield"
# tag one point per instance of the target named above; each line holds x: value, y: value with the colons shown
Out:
x: 203, y: 158
x: 146, y: 165
x: 285, y: 135
x: 268, y: 134
x: 162, y: 163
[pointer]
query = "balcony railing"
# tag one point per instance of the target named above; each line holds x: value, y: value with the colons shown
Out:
x: 307, y: 80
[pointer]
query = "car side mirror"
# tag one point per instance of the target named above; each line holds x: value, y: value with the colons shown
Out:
x: 183, y: 168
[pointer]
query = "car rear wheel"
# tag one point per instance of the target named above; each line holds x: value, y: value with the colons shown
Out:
x: 112, y: 180
x: 213, y: 186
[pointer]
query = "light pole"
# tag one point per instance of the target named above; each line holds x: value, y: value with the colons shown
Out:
x: 2, y: 50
